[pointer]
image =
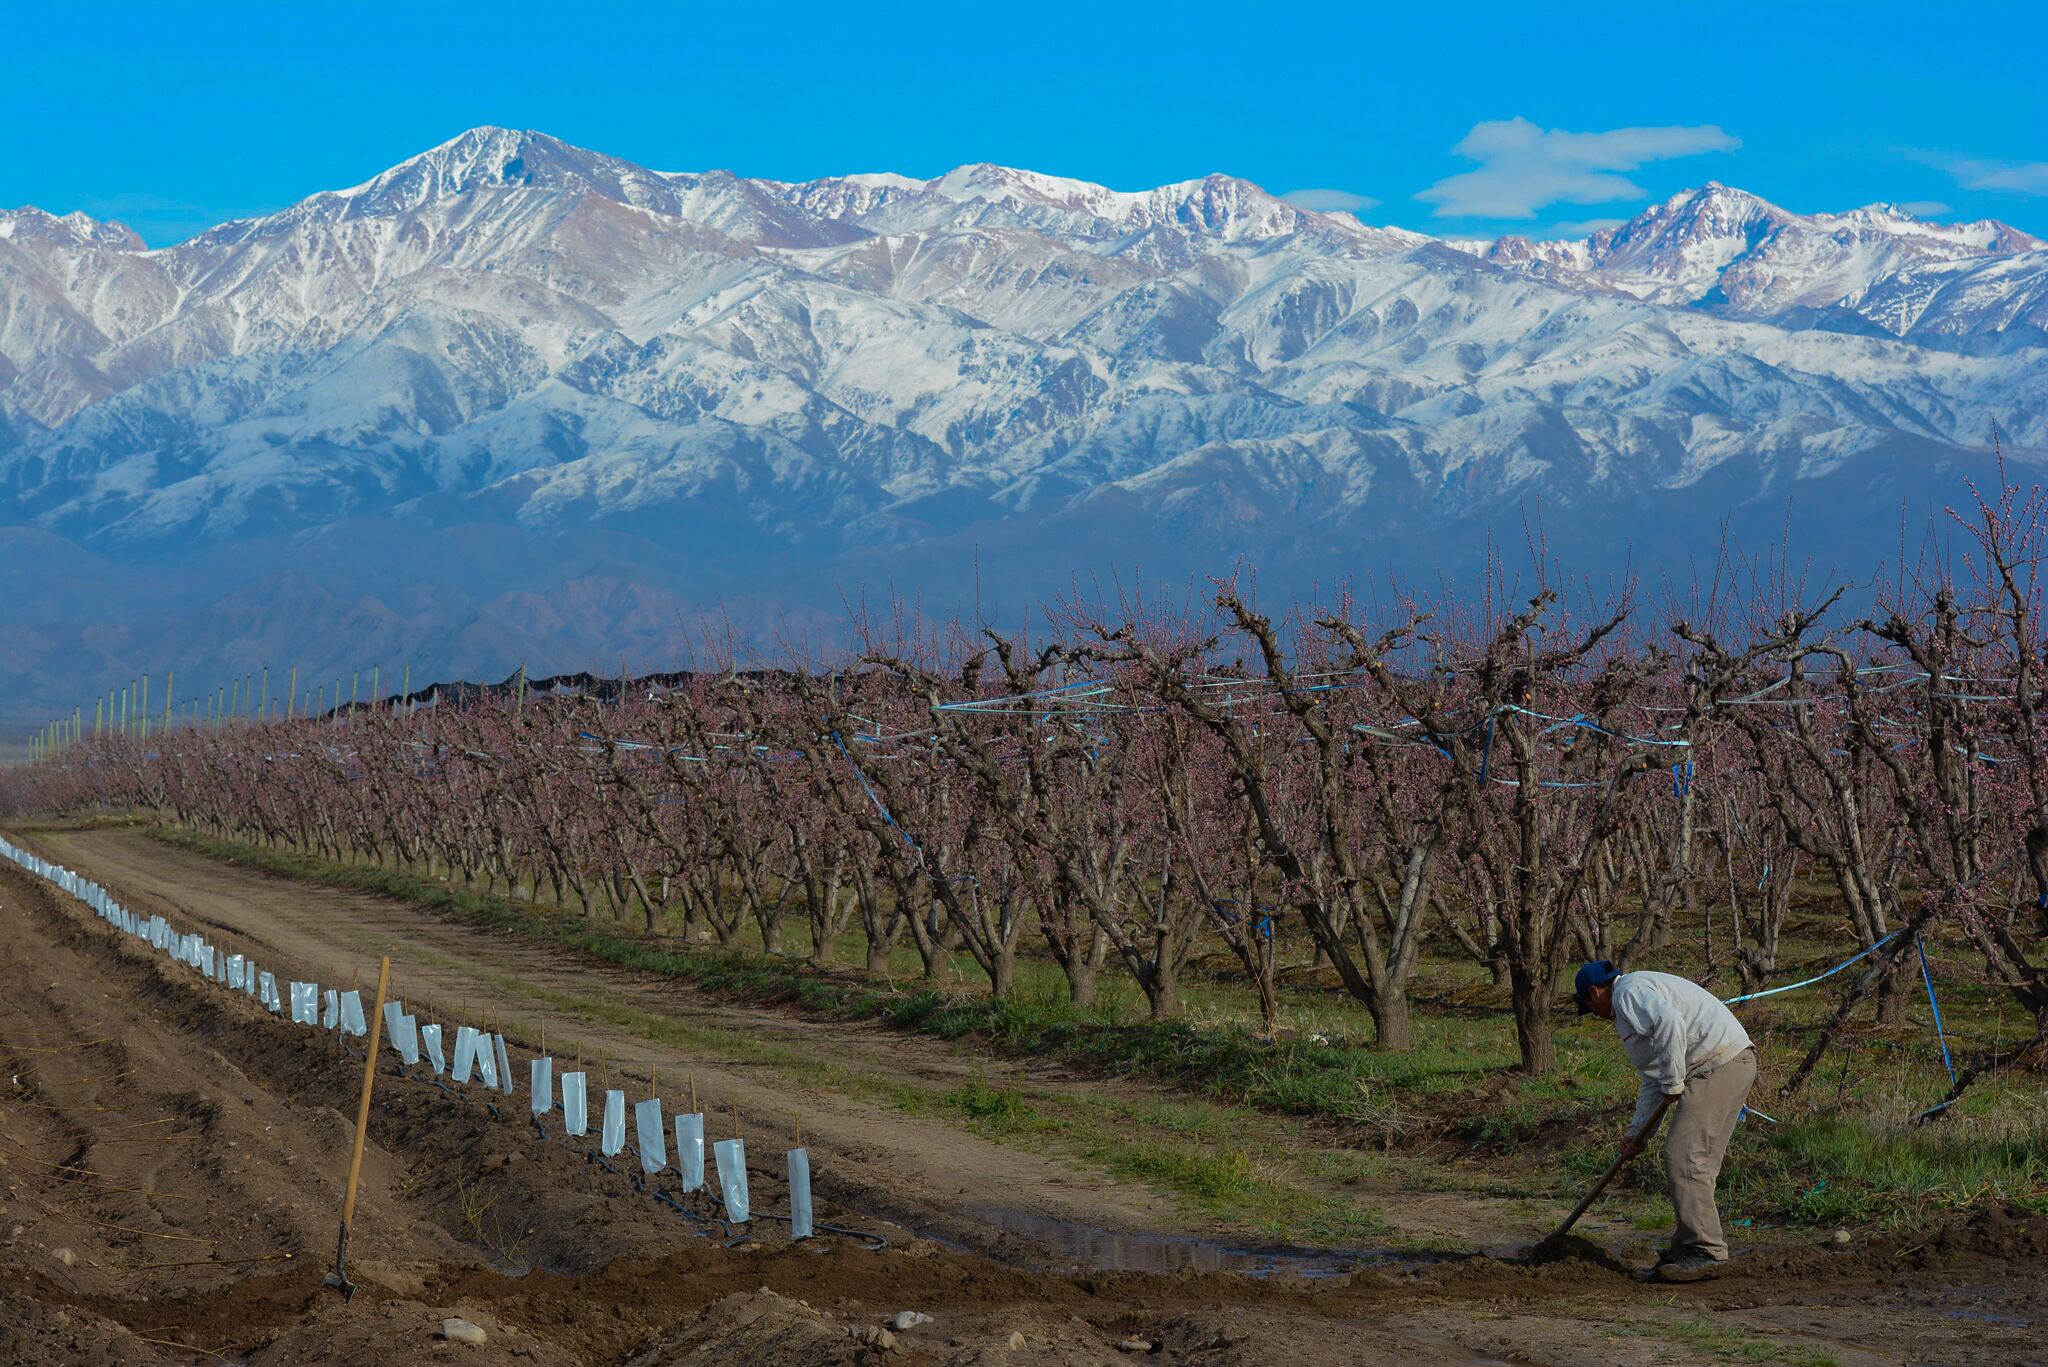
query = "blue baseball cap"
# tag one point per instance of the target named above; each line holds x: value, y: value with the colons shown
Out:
x: 1599, y: 973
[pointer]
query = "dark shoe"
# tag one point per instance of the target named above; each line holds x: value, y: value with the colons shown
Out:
x: 1692, y: 1267
x: 1649, y: 1274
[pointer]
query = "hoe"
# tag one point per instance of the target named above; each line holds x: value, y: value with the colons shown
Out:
x: 1556, y: 1245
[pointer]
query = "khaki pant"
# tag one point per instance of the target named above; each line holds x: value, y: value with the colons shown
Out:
x: 1702, y: 1120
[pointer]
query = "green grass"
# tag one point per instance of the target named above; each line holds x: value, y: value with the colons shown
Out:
x: 1832, y: 1171
x: 979, y: 1101
x: 1702, y: 1334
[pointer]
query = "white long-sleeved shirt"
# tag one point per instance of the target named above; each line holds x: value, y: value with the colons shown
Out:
x: 1671, y: 1029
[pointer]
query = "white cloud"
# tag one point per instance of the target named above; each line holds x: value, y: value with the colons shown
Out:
x: 1926, y: 208
x: 1584, y: 227
x: 2020, y: 177
x: 1329, y: 201
x: 1523, y: 168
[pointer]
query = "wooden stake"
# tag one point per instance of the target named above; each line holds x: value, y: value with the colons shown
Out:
x: 355, y: 1161
x: 735, y: 1117
x: 693, y: 1094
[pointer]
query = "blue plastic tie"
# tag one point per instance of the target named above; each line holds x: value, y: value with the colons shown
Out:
x: 1818, y: 977
x: 1927, y: 976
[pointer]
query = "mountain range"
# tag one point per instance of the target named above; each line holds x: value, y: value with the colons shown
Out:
x: 517, y: 400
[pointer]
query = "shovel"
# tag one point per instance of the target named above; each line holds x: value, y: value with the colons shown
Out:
x: 1555, y: 1238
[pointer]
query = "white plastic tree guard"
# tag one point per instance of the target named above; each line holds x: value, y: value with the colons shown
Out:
x: 430, y: 1043
x: 799, y: 1193
x: 540, y: 1083
x: 403, y: 1032
x: 613, y: 1137
x: 648, y: 1133
x: 690, y: 1151
x: 575, y: 1105
x: 731, y: 1158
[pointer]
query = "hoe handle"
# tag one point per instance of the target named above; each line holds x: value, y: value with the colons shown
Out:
x: 1649, y: 1127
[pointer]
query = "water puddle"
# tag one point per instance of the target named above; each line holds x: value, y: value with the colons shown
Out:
x: 1976, y: 1316
x: 1114, y: 1250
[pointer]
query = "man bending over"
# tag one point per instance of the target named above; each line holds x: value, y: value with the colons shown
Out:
x: 1690, y: 1048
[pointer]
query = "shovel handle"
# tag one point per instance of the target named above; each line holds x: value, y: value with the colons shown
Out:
x: 1649, y: 1127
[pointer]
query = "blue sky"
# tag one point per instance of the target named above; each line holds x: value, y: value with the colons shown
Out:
x: 1464, y: 119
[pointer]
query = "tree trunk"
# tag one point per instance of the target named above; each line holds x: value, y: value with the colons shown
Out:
x: 1894, y: 992
x: 1081, y: 978
x: 1162, y: 988
x: 1532, y: 1024
x: 1390, y: 1022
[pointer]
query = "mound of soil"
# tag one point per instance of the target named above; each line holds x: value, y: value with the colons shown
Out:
x: 1571, y: 1248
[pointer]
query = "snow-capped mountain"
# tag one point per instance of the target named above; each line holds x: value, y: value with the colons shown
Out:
x: 1982, y: 284
x: 508, y: 365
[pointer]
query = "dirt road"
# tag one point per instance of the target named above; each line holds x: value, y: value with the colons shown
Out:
x: 171, y: 1158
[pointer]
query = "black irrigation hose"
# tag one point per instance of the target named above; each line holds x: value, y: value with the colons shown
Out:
x: 879, y: 1242
x: 679, y: 1208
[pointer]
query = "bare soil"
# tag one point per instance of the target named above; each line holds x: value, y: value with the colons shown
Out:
x: 172, y: 1156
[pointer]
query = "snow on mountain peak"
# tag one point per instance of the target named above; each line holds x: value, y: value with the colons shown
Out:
x: 489, y: 158
x: 75, y: 229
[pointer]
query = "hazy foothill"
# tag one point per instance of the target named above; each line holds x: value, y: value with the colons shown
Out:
x: 1088, y: 730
